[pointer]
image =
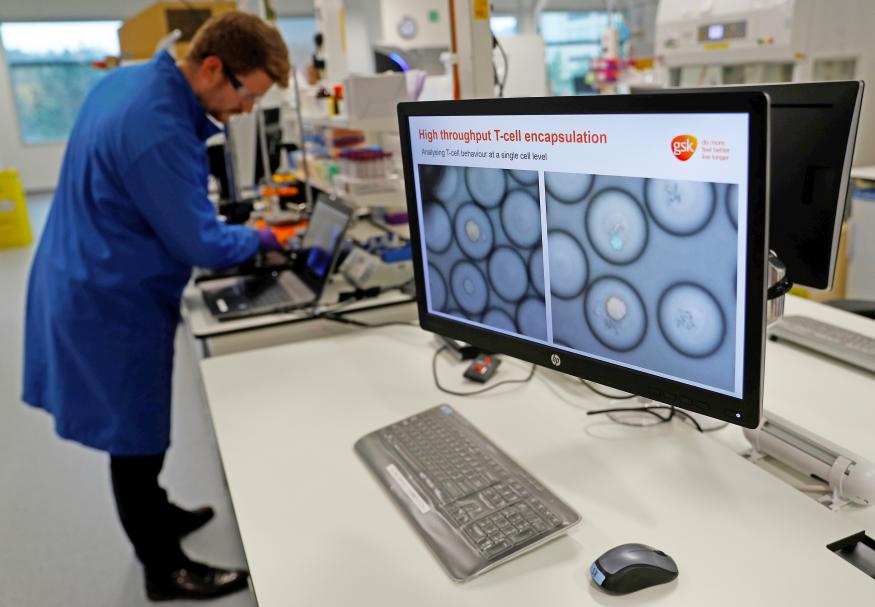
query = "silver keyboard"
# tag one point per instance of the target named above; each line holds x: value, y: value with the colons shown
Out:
x: 836, y: 342
x: 473, y: 506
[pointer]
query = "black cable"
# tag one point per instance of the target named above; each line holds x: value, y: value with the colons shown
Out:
x: 506, y: 68
x: 503, y: 82
x: 604, y: 394
x: 351, y: 321
x: 651, y: 409
x: 473, y: 392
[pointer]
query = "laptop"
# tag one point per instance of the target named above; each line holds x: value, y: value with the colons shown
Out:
x: 300, y: 285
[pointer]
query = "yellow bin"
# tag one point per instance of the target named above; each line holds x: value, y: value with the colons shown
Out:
x: 14, y: 224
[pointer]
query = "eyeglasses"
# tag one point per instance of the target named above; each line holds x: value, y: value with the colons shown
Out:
x: 235, y: 83
x: 238, y: 86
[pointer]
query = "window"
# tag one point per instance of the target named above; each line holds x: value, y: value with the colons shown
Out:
x: 298, y: 33
x: 572, y: 40
x: 504, y: 25
x: 51, y: 72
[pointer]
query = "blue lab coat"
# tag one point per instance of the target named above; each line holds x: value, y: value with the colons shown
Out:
x: 129, y: 219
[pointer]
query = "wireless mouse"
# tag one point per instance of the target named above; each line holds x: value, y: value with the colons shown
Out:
x: 630, y: 567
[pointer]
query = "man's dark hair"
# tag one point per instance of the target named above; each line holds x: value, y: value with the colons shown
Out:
x: 244, y: 43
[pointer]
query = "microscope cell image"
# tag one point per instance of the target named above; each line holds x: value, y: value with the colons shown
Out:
x: 443, y: 182
x: 680, y: 207
x: 615, y: 313
x: 616, y: 226
x: 482, y: 229
x: 508, y: 274
x: 469, y: 287
x: 568, y: 187
x: 437, y: 287
x: 691, y: 320
x: 639, y: 273
x: 486, y: 186
x: 524, y: 177
x: 500, y: 319
x: 521, y: 218
x: 732, y: 204
x: 568, y: 265
x: 531, y: 317
x: 439, y: 228
x: 474, y: 231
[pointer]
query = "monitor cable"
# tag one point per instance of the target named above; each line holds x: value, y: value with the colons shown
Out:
x: 505, y: 382
x: 605, y: 394
x: 672, y: 411
x: 334, y: 317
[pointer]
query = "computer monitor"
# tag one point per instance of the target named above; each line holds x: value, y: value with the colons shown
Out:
x: 813, y: 132
x: 619, y: 239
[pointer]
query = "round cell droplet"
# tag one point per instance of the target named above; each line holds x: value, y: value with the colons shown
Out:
x: 691, y: 320
x: 524, y: 177
x: 680, y: 207
x: 486, y: 186
x: 441, y: 182
x: 438, y: 228
x: 521, y: 218
x: 568, y: 187
x: 536, y: 270
x: 732, y: 204
x: 473, y: 231
x: 508, y: 274
x: 617, y: 226
x: 500, y: 320
x: 437, y: 289
x: 569, y: 267
x: 469, y: 287
x: 531, y: 318
x: 615, y: 313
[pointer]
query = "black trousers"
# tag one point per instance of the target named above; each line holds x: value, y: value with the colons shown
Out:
x: 146, y: 514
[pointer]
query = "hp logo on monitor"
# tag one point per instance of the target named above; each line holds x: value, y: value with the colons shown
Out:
x: 555, y: 360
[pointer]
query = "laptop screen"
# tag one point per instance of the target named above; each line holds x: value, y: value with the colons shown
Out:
x: 327, y: 225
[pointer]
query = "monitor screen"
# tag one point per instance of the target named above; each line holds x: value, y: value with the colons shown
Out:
x: 622, y: 239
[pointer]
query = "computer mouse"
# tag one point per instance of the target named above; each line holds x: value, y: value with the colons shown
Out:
x: 630, y: 567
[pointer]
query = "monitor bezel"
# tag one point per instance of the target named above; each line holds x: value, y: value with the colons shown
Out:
x: 744, y: 411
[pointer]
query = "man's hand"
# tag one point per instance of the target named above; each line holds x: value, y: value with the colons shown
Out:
x: 267, y: 240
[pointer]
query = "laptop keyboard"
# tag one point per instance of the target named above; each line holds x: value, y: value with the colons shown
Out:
x: 273, y: 295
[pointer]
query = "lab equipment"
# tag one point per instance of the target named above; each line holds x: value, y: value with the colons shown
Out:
x: 753, y: 41
x: 828, y: 339
x: 471, y: 503
x: 383, y: 264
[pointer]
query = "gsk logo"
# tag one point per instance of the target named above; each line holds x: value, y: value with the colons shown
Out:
x: 684, y: 146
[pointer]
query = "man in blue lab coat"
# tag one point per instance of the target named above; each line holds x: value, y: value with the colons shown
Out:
x: 130, y: 218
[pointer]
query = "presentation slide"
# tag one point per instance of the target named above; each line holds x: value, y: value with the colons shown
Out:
x: 617, y: 237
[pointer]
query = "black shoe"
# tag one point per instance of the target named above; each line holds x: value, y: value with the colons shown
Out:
x: 194, y: 581
x: 186, y: 521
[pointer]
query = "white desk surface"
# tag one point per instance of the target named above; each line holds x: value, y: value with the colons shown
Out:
x: 318, y: 530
